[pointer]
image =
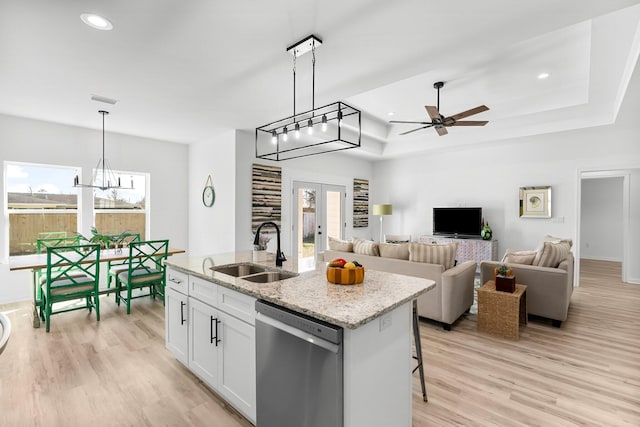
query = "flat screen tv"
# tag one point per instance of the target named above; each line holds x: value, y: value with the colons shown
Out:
x: 457, y: 222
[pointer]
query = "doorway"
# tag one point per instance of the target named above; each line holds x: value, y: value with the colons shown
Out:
x: 318, y: 212
x: 604, y: 218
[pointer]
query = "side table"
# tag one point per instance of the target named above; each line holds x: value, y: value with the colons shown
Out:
x: 502, y: 313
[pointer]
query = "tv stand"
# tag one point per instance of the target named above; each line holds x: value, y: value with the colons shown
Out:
x: 469, y: 248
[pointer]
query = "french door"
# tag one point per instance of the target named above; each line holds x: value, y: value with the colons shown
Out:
x: 318, y: 214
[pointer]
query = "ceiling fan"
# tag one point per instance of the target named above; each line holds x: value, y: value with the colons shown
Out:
x: 440, y: 123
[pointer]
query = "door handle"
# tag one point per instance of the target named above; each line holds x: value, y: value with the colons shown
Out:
x: 182, y: 319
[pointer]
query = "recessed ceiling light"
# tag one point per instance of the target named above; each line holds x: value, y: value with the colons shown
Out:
x: 96, y: 21
x: 390, y: 113
x: 543, y: 76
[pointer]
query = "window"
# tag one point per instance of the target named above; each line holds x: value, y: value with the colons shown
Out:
x: 41, y: 202
x: 118, y: 210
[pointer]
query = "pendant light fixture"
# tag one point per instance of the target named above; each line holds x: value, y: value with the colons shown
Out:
x: 340, y: 124
x: 103, y: 176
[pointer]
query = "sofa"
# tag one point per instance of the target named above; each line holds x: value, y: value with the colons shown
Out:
x: 453, y: 293
x: 547, y: 274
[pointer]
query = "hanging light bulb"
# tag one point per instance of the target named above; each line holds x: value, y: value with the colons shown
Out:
x: 297, y: 128
x: 324, y: 123
x: 339, y: 118
x: 274, y: 137
x: 285, y: 134
x: 310, y: 127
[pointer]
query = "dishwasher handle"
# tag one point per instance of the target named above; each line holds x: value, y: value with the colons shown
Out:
x: 312, y: 339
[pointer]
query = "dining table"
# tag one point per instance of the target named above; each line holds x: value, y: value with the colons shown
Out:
x: 37, y: 262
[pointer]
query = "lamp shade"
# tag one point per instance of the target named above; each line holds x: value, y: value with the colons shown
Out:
x: 382, y: 209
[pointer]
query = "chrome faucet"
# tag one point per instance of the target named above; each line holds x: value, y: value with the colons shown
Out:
x: 256, y: 241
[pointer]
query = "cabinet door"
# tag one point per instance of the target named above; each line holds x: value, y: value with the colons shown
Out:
x: 176, y: 324
x: 237, y: 364
x: 203, y: 341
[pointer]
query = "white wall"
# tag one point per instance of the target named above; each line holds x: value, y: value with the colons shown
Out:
x: 212, y: 230
x: 33, y: 141
x: 338, y: 169
x: 601, y: 219
x: 490, y: 175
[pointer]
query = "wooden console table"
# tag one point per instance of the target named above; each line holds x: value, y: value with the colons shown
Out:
x: 502, y: 313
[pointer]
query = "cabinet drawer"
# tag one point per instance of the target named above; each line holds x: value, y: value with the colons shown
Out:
x: 237, y: 304
x: 203, y: 290
x: 177, y: 280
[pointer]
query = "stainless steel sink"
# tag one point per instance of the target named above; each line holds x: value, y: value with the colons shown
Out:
x: 269, y: 276
x: 239, y: 270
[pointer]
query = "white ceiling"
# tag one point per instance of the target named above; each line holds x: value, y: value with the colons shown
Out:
x: 186, y: 70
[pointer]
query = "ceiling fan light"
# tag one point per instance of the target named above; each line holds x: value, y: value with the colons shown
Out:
x: 96, y: 21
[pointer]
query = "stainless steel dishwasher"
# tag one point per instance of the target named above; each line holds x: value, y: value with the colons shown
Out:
x: 299, y: 374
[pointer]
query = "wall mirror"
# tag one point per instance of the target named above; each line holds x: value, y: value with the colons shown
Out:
x: 535, y: 202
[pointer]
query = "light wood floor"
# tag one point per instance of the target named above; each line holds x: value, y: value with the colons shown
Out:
x: 118, y: 372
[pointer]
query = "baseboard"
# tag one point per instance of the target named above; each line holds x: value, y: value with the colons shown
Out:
x: 633, y: 281
x: 600, y: 258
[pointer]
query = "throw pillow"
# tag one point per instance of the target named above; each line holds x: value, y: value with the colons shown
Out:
x: 553, y: 254
x: 444, y: 255
x: 392, y: 250
x: 365, y: 247
x: 340, y: 245
x: 551, y: 239
x: 519, y: 257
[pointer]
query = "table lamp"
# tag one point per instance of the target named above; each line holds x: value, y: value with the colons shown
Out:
x: 382, y: 210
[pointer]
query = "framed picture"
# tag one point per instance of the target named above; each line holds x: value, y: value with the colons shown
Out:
x: 535, y: 202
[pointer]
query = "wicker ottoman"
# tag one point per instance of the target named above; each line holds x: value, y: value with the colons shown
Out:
x: 502, y: 313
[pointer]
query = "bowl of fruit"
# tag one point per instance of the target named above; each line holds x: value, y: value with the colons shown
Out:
x: 341, y: 272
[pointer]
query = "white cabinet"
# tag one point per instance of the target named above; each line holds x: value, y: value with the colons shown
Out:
x: 203, y: 341
x: 210, y: 328
x: 176, y: 309
x: 237, y: 364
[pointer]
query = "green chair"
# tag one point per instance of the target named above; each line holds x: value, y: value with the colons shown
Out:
x: 116, y: 267
x: 48, y: 242
x: 63, y: 283
x: 145, y: 268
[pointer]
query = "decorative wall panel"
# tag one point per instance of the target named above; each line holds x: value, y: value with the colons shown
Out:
x: 266, y: 195
x: 360, y: 203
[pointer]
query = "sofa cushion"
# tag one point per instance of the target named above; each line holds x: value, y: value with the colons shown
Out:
x: 393, y: 250
x: 551, y: 239
x: 519, y: 257
x: 444, y: 255
x: 340, y: 245
x: 365, y: 247
x: 553, y: 254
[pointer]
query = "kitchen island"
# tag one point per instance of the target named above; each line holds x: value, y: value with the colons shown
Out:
x: 375, y: 317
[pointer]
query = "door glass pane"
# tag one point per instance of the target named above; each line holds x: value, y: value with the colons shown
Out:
x: 334, y: 219
x: 306, y: 223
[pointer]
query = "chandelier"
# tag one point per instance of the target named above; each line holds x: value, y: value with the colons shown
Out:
x: 103, y: 176
x: 332, y: 127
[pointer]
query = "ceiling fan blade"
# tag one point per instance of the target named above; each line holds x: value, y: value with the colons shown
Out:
x: 468, y: 113
x: 441, y: 130
x: 401, y: 121
x: 433, y: 112
x: 469, y: 123
x: 415, y: 130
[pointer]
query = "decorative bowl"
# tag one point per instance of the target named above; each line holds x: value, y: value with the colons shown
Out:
x: 345, y: 276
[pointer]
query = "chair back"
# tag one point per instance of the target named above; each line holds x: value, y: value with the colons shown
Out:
x: 65, y: 262
x: 5, y: 323
x: 44, y: 243
x: 147, y: 257
x: 125, y: 239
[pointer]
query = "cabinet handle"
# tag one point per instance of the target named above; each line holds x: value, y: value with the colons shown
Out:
x: 213, y: 337
x: 182, y: 319
x: 176, y: 281
x: 216, y: 337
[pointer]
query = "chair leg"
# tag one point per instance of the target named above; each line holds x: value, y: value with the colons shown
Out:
x: 47, y: 316
x: 117, y: 286
x: 97, y: 304
x: 416, y: 337
x: 128, y: 301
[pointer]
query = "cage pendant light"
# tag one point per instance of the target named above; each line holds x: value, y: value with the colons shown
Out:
x: 339, y: 125
x: 103, y: 176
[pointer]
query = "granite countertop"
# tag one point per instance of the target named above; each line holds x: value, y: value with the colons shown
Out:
x: 310, y: 293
